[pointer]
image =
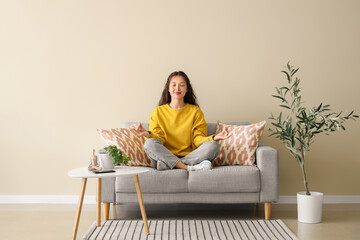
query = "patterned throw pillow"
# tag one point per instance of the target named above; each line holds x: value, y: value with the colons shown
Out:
x: 240, y: 147
x: 128, y: 143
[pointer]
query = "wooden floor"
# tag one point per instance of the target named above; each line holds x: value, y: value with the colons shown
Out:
x: 34, y: 221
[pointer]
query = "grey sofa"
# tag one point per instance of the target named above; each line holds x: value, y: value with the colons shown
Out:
x: 222, y: 184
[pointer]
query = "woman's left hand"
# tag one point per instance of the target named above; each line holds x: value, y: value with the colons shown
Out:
x: 139, y: 130
x: 222, y: 135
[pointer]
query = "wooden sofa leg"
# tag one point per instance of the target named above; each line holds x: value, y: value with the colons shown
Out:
x: 267, y: 210
x: 256, y: 207
x: 106, y: 210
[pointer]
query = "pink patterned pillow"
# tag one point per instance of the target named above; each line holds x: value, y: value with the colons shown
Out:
x: 239, y: 149
x: 128, y: 143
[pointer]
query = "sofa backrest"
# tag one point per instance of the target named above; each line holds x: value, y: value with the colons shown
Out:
x: 211, y: 126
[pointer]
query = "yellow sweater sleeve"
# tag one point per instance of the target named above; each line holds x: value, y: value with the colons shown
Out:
x: 154, y: 127
x: 200, y: 129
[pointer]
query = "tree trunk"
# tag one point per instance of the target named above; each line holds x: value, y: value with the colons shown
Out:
x: 305, y: 181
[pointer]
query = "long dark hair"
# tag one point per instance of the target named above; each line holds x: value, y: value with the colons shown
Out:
x: 189, y: 96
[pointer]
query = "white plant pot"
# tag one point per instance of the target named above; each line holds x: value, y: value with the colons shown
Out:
x: 310, y: 207
x: 105, y: 161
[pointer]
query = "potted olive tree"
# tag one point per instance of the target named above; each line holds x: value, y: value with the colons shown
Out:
x: 297, y: 131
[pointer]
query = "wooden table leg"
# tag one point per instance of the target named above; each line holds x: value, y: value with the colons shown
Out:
x: 78, y: 213
x: 98, y: 212
x: 141, y: 203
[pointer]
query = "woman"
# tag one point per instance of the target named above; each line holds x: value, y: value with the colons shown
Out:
x: 177, y: 136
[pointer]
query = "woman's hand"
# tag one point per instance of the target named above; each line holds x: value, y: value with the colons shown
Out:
x: 139, y: 130
x: 222, y: 135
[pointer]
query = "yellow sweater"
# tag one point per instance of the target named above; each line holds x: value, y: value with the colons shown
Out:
x: 181, y: 130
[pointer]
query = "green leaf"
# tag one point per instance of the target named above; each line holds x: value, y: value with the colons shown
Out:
x: 276, y: 125
x: 300, y: 141
x: 287, y: 90
x: 287, y: 75
x: 284, y: 88
x: 303, y: 113
x: 294, y: 71
x: 279, y: 97
x: 318, y: 107
x: 285, y: 106
x: 277, y: 90
x: 316, y: 132
x: 274, y: 133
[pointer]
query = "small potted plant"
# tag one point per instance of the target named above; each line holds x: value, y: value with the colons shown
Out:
x: 297, y: 131
x: 117, y: 155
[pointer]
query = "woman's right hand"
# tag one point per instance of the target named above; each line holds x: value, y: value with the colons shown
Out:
x: 139, y: 130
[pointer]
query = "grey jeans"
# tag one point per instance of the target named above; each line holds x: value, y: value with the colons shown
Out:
x: 156, y: 151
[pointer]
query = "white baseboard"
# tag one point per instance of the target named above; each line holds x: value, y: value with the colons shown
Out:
x: 46, y: 199
x: 91, y: 199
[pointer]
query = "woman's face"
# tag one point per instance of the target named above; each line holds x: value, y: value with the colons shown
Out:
x: 177, y: 87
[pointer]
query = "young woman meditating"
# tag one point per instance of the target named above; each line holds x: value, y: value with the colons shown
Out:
x: 177, y: 136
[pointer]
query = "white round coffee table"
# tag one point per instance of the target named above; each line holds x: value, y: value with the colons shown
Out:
x: 120, y: 170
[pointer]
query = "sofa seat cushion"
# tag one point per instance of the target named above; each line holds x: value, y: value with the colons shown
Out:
x: 155, y: 181
x: 231, y: 179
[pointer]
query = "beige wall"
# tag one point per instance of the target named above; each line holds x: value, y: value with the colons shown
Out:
x: 70, y: 67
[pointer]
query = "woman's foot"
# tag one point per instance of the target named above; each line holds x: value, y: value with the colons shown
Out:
x: 204, y: 165
x: 161, y: 166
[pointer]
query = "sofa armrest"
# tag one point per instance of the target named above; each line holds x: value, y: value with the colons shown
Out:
x: 107, y: 186
x: 267, y: 160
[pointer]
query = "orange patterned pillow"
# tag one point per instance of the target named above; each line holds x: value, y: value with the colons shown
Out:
x: 240, y: 147
x: 128, y: 143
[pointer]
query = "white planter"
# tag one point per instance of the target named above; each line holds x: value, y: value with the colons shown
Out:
x: 105, y: 161
x: 309, y: 207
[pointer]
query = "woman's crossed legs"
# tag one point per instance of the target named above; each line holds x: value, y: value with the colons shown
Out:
x: 157, y: 152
